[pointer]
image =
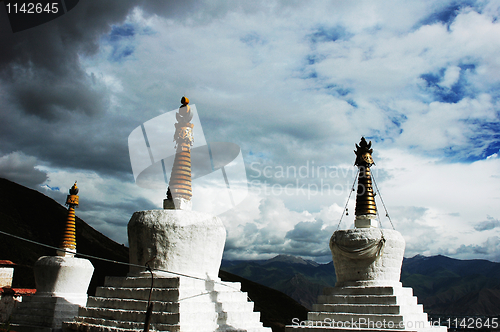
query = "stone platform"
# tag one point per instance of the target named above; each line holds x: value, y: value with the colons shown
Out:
x: 179, y: 304
x: 42, y: 314
x: 361, y: 308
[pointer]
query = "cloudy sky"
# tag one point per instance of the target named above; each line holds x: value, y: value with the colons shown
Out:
x: 295, y: 85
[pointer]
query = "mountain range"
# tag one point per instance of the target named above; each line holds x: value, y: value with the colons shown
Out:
x: 445, y: 286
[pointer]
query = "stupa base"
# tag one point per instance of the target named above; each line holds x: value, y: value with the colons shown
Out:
x: 184, y: 250
x: 62, y: 284
x: 372, y: 308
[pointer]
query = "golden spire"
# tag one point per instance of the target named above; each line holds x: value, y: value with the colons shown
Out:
x: 68, y: 242
x: 179, y: 191
x: 366, y: 210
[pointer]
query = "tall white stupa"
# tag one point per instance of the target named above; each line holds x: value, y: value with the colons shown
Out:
x: 368, y: 295
x: 182, y: 249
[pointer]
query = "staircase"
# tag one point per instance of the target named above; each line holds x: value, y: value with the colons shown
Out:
x: 367, y: 308
x: 179, y: 304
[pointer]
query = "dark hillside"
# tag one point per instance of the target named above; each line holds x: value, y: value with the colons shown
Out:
x: 276, y: 309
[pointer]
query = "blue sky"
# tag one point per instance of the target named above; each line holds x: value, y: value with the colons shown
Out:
x: 294, y: 84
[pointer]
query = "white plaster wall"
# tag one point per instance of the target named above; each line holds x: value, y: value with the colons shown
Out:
x: 65, y: 277
x: 180, y: 241
x: 383, y: 270
x: 6, y: 275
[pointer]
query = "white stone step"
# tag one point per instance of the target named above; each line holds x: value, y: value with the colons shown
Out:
x: 130, y: 304
x: 172, y: 282
x: 370, y: 318
x: 129, y: 315
x: 235, y: 306
x: 229, y: 328
x: 209, y: 285
x: 367, y: 299
x: 240, y: 318
x: 87, y: 324
x: 139, y: 316
x: 369, y: 308
x: 222, y: 296
x: 374, y: 290
x: 226, y: 286
x: 296, y: 328
x: 87, y: 327
x: 158, y: 294
x: 170, y: 294
x: 83, y: 321
x: 134, y: 282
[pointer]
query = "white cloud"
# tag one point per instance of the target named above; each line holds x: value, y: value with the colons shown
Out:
x: 451, y: 76
x: 438, y: 125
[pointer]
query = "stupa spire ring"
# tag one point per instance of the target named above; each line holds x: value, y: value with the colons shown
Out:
x: 179, y: 191
x: 68, y: 242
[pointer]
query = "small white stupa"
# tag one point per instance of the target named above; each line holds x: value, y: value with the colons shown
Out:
x: 180, y: 290
x: 62, y: 282
x: 368, y: 294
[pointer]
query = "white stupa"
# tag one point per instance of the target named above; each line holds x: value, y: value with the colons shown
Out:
x: 183, y: 250
x: 368, y: 295
x: 62, y: 282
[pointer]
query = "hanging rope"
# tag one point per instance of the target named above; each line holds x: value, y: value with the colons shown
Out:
x: 113, y: 261
x: 385, y: 208
x: 348, y: 198
x: 379, y: 220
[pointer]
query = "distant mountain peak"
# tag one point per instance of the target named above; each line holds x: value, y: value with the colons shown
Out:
x: 290, y: 259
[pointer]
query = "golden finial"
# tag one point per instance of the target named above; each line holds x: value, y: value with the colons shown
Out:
x: 366, y: 209
x: 364, y: 154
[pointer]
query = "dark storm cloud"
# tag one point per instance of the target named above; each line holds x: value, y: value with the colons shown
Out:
x: 40, y: 67
x: 50, y: 107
